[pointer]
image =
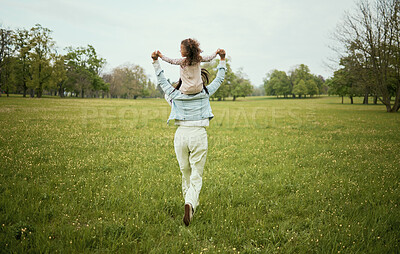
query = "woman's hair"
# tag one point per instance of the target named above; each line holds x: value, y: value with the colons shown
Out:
x: 204, y: 76
x: 193, y: 51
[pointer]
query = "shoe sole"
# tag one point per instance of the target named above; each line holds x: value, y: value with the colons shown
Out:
x: 186, y: 218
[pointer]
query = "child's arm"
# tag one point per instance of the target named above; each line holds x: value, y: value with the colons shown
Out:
x: 177, y: 61
x: 210, y: 57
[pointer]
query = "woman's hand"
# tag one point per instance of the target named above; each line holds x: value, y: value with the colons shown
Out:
x: 154, y: 55
x: 159, y: 54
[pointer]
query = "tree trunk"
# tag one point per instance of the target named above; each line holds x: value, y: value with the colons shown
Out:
x: 234, y: 98
x: 375, y: 99
x: 25, y: 89
x: 39, y: 93
x: 40, y: 88
x: 219, y: 98
x: 351, y: 99
x: 396, y: 105
x: 342, y: 99
x: 60, y: 91
x: 365, y: 101
x: 32, y: 93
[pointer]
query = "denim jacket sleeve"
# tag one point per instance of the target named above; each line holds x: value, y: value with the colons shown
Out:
x: 163, y: 82
x: 216, y: 83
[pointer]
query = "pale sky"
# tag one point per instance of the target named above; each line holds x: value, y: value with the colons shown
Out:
x: 258, y: 35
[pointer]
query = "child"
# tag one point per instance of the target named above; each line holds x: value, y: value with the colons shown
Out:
x: 190, y: 81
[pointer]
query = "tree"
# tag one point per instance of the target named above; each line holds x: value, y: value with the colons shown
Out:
x: 23, y: 47
x: 338, y: 84
x: 83, y: 70
x: 372, y: 35
x: 312, y: 88
x: 129, y: 81
x: 6, y: 61
x: 301, y: 73
x: 42, y: 47
x: 59, y: 76
x: 241, y: 87
x: 277, y: 83
x: 320, y: 81
x: 300, y: 88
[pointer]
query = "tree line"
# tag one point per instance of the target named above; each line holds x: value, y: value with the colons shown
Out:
x: 299, y: 82
x: 31, y: 65
x: 370, y: 58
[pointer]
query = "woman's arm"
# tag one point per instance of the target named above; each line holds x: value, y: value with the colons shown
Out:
x: 168, y: 89
x: 216, y: 83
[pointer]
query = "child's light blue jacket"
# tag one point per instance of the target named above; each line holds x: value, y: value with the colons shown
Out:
x: 190, y: 107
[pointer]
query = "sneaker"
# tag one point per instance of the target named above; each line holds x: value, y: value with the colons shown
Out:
x: 188, y: 214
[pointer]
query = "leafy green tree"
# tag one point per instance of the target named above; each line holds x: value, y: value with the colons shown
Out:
x: 59, y: 75
x: 40, y: 54
x: 320, y: 81
x: 8, y: 76
x: 343, y: 84
x: 241, y: 86
x: 302, y: 72
x: 23, y: 68
x: 83, y: 70
x: 6, y: 60
x: 312, y: 88
x: 300, y: 88
x: 277, y: 83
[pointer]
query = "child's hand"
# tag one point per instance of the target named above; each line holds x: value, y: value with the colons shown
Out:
x: 154, y: 55
x: 222, y: 54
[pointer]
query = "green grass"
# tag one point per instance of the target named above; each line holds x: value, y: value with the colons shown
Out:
x: 282, y: 176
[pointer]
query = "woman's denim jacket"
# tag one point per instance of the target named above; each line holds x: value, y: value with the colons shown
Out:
x: 190, y: 107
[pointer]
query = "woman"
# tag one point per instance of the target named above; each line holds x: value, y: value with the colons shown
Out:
x: 192, y: 114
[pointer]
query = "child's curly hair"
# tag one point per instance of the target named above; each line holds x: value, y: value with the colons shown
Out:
x: 193, y: 51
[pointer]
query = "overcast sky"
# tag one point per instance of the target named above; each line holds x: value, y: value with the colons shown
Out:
x: 258, y: 35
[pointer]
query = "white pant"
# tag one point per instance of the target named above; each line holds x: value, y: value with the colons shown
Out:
x: 191, y: 151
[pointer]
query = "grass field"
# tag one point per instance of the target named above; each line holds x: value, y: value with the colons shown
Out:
x: 282, y: 176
